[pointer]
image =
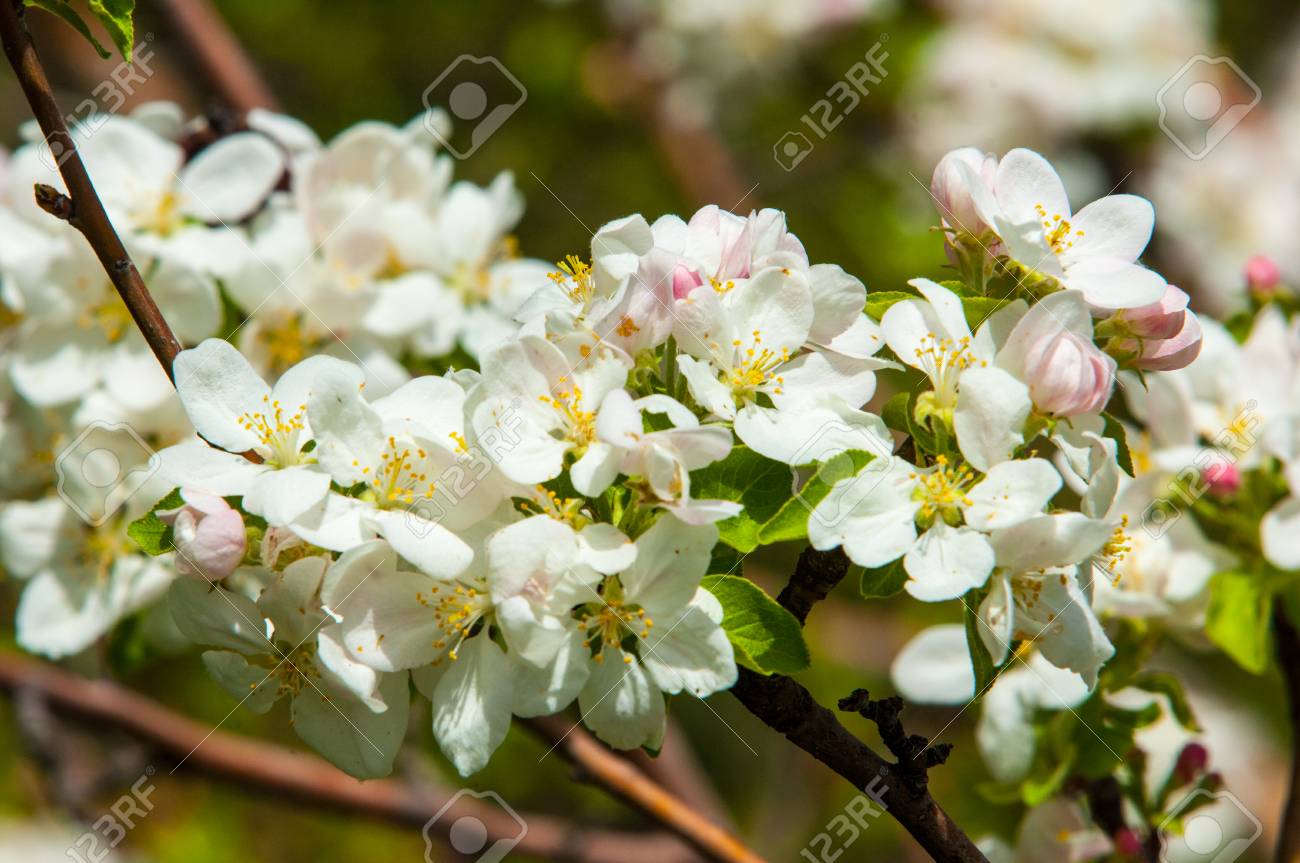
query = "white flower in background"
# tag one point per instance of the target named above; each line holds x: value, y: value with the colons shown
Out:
x: 78, y: 334
x: 935, y: 668
x: 1058, y: 831
x: 477, y: 269
x: 177, y: 209
x: 283, y: 644
x: 232, y: 408
x: 1093, y: 251
x: 548, y: 394
x: 876, y: 514
x: 80, y: 581
x: 663, y: 459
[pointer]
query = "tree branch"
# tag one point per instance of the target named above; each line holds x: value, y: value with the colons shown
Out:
x: 219, y: 55
x: 83, y: 210
x: 597, y: 764
x: 1287, y: 646
x: 306, y: 778
x: 789, y: 708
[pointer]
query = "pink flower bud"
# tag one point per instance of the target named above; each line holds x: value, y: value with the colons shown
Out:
x: 1160, y: 320
x: 1262, y: 274
x: 1128, y: 844
x: 951, y: 187
x: 1192, y: 762
x: 1067, y: 374
x: 1223, y: 479
x: 685, y: 280
x: 208, y: 535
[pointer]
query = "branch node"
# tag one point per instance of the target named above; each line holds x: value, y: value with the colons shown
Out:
x: 914, y: 753
x: 54, y: 202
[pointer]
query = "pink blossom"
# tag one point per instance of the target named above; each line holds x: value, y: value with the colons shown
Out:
x: 951, y: 187
x: 1223, y: 479
x: 685, y: 280
x: 208, y: 534
x: 1262, y: 274
x: 1164, y: 335
x: 1067, y: 374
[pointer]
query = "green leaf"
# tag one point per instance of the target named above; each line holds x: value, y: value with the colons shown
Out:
x: 985, y: 670
x: 1238, y: 618
x: 767, y: 638
x: 884, y: 582
x: 791, y: 520
x: 1114, y: 430
x: 878, y: 302
x: 115, y: 15
x: 761, y: 485
x: 73, y: 18
x: 897, y: 412
x: 979, y: 309
x: 149, y: 531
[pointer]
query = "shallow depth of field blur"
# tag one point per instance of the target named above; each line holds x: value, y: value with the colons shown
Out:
x: 1079, y: 82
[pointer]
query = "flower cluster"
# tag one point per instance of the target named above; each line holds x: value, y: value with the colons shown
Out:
x: 559, y: 516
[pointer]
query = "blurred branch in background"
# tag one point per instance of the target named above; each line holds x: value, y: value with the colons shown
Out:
x: 220, y: 58
x: 306, y: 778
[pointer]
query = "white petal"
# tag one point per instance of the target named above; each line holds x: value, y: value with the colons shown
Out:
x: 228, y: 180
x: 992, y: 408
x: 357, y: 740
x: 691, y: 652
x: 871, y: 514
x: 471, y: 705
x: 283, y: 496
x: 671, y: 558
x: 621, y: 704
x: 428, y: 545
x: 934, y: 667
x: 1012, y: 492
x: 946, y: 562
x: 217, y: 386
x: 1117, y: 226
x: 1113, y: 283
x: 212, y: 615
x: 1280, y: 534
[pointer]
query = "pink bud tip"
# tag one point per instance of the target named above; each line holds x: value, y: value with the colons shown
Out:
x: 1262, y: 273
x: 1224, y: 480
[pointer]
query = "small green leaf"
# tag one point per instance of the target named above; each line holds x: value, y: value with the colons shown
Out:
x: 980, y: 309
x: 766, y: 637
x: 150, y: 532
x: 760, y: 484
x: 791, y: 520
x: 1114, y: 430
x: 73, y: 18
x: 878, y: 302
x: 884, y: 582
x: 1238, y: 619
x: 115, y: 15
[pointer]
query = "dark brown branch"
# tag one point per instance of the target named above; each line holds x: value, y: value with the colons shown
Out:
x: 815, y: 576
x: 220, y: 57
x: 1287, y: 646
x: 597, y: 764
x: 789, y: 708
x: 915, y: 756
x: 83, y: 210
x: 283, y: 773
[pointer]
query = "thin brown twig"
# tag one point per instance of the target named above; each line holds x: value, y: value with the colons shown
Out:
x: 617, y: 775
x: 83, y: 210
x: 789, y: 708
x: 677, y: 768
x: 219, y: 55
x: 309, y: 779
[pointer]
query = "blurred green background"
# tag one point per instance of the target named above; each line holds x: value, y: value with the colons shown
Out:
x: 582, y: 154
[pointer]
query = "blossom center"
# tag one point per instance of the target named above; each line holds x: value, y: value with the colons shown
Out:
x: 755, y: 366
x: 277, y: 431
x: 110, y: 315
x: 943, y: 360
x: 611, y: 623
x: 580, y: 424
x: 574, y: 278
x: 400, y: 477
x: 942, y: 491
x: 1057, y: 230
x: 456, y: 611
